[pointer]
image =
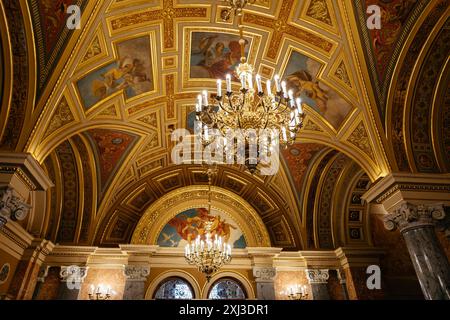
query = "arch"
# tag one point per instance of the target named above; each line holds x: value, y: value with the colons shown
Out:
x: 48, y: 145
x: 168, y: 206
x: 6, y: 72
x: 403, y: 86
x: 249, y: 291
x: 154, y: 285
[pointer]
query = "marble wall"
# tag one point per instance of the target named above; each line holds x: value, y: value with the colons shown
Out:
x: 357, y: 285
x: 6, y: 258
x: 24, y: 280
x: 112, y: 277
x: 445, y: 243
x: 335, y: 288
x: 286, y: 279
x: 50, y: 287
x: 397, y: 270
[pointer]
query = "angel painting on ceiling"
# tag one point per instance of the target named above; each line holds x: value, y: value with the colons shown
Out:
x: 130, y: 73
x: 214, y: 55
x: 301, y: 75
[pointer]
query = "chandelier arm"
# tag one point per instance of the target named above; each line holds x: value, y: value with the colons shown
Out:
x: 222, y: 106
x: 230, y: 103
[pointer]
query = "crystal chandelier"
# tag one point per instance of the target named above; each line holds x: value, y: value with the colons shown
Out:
x: 273, y: 109
x: 208, y: 253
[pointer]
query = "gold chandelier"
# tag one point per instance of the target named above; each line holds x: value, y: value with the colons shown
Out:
x: 273, y: 109
x: 209, y: 253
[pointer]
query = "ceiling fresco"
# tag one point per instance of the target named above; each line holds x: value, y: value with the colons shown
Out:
x: 97, y: 106
x: 49, y: 23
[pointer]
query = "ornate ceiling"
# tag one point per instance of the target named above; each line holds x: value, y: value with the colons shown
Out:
x: 96, y: 106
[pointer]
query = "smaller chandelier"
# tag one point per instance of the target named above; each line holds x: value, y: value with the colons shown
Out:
x: 297, y: 292
x: 209, y: 253
x: 101, y: 292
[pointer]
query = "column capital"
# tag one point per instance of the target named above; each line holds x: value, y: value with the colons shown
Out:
x: 317, y: 276
x: 12, y: 207
x: 136, y: 273
x: 409, y: 216
x: 264, y: 274
x: 43, y: 273
x: 73, y: 273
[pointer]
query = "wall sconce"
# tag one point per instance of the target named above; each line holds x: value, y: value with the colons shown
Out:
x: 101, y: 293
x: 296, y: 292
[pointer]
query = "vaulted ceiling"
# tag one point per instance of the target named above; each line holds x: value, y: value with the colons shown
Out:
x: 104, y: 138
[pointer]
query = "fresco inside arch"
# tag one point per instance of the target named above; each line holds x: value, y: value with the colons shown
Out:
x: 131, y: 73
x: 301, y: 75
x: 188, y: 225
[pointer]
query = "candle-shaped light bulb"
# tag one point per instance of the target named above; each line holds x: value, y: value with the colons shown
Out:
x: 250, y: 81
x: 269, y: 87
x: 284, y: 134
x: 299, y: 105
x: 198, y: 108
x: 284, y: 88
x: 277, y: 83
x: 259, y: 83
x: 293, y: 120
x: 206, y: 135
x: 205, y: 97
x: 228, y: 77
x: 219, y: 88
x: 291, y: 98
x: 199, y: 100
x: 92, y: 289
x: 244, y: 81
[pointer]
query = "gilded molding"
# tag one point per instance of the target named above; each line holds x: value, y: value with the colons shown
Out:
x: 412, y: 187
x: 158, y: 214
x: 20, y: 174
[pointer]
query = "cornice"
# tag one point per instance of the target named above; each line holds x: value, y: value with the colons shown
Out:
x: 14, y: 239
x: 385, y: 188
x: 27, y: 168
x: 358, y: 257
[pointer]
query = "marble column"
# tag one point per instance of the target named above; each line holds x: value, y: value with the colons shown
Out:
x: 318, y: 278
x: 135, y: 283
x: 343, y: 282
x: 71, y: 279
x: 416, y: 224
x: 264, y: 277
x: 43, y: 273
x: 26, y: 275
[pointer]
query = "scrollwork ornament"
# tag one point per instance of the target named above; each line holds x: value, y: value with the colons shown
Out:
x: 11, y: 206
x: 409, y: 215
x: 136, y: 273
x: 264, y: 273
x: 317, y: 276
